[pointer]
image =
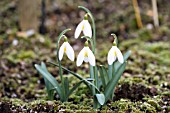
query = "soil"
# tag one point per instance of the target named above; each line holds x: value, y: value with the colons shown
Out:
x: 144, y: 86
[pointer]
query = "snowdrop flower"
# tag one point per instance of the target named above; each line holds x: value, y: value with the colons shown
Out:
x: 84, y: 26
x: 114, y: 53
x: 86, y: 55
x: 66, y: 48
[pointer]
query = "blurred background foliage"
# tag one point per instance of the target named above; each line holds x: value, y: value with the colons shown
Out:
x: 26, y: 40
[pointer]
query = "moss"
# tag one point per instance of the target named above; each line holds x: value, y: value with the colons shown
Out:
x: 138, y: 75
x: 145, y: 34
x: 154, y: 104
x: 144, y: 87
x: 124, y: 105
x: 166, y: 93
x: 21, y: 55
x: 146, y: 107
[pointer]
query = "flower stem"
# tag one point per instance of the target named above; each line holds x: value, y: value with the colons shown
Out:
x: 92, y: 75
x: 93, y: 24
x: 59, y: 62
x: 91, y: 42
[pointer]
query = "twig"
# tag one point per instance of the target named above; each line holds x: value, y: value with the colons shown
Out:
x: 137, y: 14
x: 155, y: 13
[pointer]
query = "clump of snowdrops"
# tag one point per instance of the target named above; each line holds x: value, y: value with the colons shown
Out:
x: 102, y: 79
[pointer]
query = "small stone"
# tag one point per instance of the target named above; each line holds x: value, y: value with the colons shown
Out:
x: 50, y: 102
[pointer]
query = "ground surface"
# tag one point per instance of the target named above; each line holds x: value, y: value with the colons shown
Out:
x: 144, y: 86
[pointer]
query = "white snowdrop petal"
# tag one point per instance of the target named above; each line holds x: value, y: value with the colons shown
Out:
x: 111, y: 57
x: 79, y: 29
x: 119, y: 55
x: 86, y: 59
x: 80, y: 57
x: 69, y: 51
x: 91, y: 57
x: 61, y: 51
x: 87, y: 29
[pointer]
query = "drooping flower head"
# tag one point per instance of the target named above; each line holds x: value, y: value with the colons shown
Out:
x: 84, y: 26
x: 67, y: 49
x: 114, y: 53
x: 86, y: 55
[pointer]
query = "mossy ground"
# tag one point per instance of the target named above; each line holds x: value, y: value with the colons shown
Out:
x: 144, y: 86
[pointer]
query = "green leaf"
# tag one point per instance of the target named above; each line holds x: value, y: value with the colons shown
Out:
x: 50, y: 90
x: 100, y: 98
x: 90, y: 79
x: 103, y: 75
x: 77, y: 75
x: 96, y: 77
x: 66, y: 85
x: 117, y: 64
x: 110, y: 70
x: 100, y: 83
x: 49, y: 86
x: 106, y: 77
x: 49, y: 78
x: 113, y: 82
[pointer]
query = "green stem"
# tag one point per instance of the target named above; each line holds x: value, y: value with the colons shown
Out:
x: 57, y: 48
x: 59, y: 62
x: 93, y: 24
x: 62, y: 80
x: 110, y: 73
x: 92, y: 75
x: 91, y: 42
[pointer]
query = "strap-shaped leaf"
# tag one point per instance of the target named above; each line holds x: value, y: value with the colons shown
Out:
x: 66, y: 85
x: 49, y: 78
x: 103, y: 75
x: 97, y: 77
x: 106, y: 77
x: 99, y: 83
x: 113, y: 82
x: 49, y: 86
x: 90, y: 79
x: 50, y: 89
x: 77, y: 76
x: 117, y: 64
x: 100, y: 98
x: 110, y: 71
